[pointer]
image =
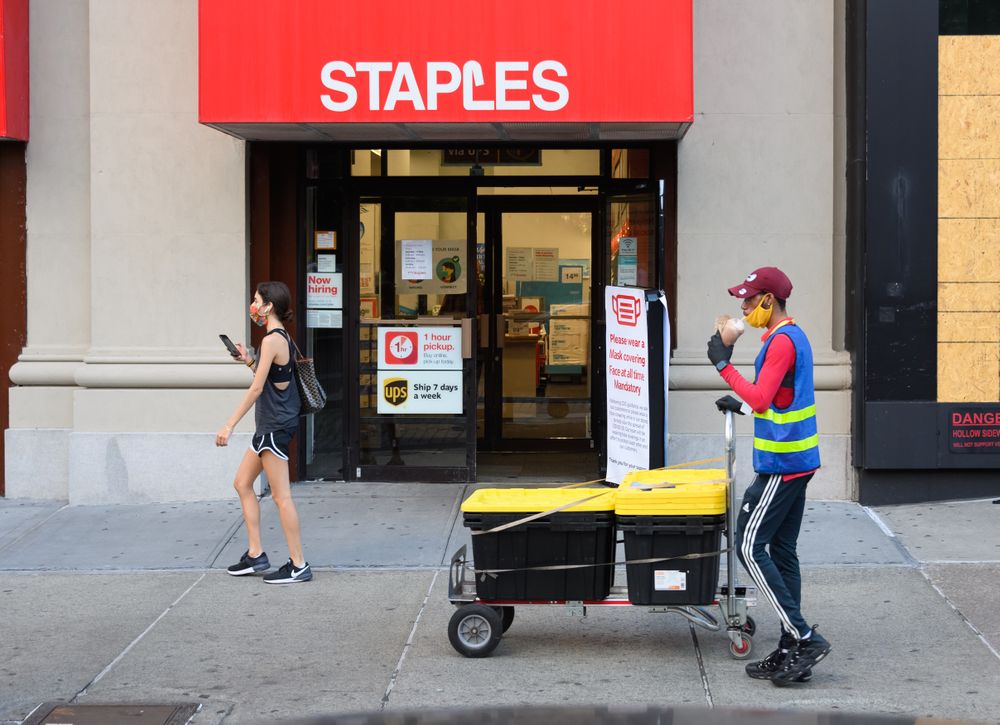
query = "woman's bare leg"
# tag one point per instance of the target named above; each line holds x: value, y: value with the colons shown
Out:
x: 246, y: 474
x: 281, y: 492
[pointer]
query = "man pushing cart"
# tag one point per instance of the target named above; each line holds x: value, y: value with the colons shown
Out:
x: 785, y: 458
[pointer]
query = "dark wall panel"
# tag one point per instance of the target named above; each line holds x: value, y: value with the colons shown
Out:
x: 900, y: 326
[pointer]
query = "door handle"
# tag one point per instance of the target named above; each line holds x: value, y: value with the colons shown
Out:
x: 466, y: 338
x: 484, y: 330
x: 501, y: 331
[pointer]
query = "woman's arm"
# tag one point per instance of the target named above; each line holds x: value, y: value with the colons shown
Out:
x: 268, y: 351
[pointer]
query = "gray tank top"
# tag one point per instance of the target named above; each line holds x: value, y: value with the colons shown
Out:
x: 278, y: 409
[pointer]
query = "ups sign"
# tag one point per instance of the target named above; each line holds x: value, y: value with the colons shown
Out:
x: 395, y: 391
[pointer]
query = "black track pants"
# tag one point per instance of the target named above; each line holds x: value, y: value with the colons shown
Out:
x: 767, y: 532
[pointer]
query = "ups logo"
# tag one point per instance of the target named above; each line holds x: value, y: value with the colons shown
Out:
x: 395, y: 391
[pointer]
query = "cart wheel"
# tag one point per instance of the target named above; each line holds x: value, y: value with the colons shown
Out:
x: 750, y: 626
x: 741, y: 650
x: 474, y: 630
x: 506, y: 617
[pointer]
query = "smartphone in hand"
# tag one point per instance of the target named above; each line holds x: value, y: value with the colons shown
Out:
x: 233, y: 350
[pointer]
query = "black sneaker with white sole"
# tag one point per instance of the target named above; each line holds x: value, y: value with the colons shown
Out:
x: 801, y: 659
x: 765, y: 668
x: 290, y: 574
x: 250, y: 564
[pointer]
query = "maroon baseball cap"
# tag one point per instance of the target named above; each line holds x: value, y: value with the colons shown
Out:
x: 764, y: 279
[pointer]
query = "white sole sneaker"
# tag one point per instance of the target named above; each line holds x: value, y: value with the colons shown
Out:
x: 244, y: 572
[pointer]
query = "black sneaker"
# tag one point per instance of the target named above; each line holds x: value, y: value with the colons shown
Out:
x: 765, y: 668
x: 801, y: 659
x: 290, y: 574
x: 250, y: 564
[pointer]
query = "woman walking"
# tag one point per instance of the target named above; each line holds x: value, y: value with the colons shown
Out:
x: 277, y: 416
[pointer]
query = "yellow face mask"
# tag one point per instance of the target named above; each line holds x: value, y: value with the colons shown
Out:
x: 760, y: 315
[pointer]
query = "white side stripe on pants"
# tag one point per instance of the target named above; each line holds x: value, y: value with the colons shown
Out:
x: 753, y: 526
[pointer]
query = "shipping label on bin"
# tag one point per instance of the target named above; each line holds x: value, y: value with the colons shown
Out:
x: 669, y: 580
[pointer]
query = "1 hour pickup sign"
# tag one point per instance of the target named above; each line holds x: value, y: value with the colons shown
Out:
x: 420, y: 348
x: 419, y: 370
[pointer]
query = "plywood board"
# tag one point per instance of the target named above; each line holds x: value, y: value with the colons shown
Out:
x: 969, y: 250
x: 969, y: 127
x: 969, y: 297
x: 968, y: 65
x: 968, y: 373
x: 968, y: 327
x: 969, y: 188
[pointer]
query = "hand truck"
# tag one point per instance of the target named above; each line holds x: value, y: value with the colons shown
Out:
x: 476, y: 627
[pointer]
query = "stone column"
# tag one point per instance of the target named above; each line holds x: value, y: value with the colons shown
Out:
x: 145, y: 265
x: 757, y: 173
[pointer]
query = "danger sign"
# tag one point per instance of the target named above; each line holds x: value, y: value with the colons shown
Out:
x: 974, y: 430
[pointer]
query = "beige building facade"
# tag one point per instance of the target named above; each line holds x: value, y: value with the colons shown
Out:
x: 138, y: 243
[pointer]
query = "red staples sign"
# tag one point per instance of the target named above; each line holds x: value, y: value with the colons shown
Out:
x: 14, y: 69
x: 445, y: 61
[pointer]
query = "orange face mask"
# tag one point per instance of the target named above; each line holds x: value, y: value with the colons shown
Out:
x: 760, y: 315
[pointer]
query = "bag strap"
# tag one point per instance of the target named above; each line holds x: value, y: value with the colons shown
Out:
x: 291, y: 341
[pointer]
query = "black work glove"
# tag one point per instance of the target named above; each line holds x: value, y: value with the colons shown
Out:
x: 718, y: 352
x: 728, y: 402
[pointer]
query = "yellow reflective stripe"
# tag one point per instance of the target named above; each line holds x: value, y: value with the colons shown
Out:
x: 792, y: 416
x: 786, y: 446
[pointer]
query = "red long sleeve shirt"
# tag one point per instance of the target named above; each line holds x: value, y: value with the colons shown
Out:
x: 778, y: 362
x: 774, y: 383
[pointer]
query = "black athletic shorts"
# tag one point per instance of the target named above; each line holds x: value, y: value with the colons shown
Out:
x: 276, y: 442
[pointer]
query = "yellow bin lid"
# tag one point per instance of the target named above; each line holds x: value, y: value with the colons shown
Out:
x: 689, y: 492
x: 536, y: 500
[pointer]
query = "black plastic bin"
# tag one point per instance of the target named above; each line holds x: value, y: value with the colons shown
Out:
x: 560, y: 538
x: 648, y: 537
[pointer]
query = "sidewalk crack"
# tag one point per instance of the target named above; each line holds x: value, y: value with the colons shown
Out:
x: 406, y: 647
x: 701, y: 667
x: 969, y: 624
x: 134, y: 642
x: 32, y: 529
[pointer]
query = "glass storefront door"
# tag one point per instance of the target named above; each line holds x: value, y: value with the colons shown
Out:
x: 536, y: 373
x: 495, y: 266
x: 416, y: 284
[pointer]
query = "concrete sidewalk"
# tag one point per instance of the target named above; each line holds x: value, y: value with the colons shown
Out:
x: 131, y: 604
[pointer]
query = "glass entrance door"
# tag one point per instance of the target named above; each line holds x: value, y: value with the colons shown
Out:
x: 416, y: 282
x: 536, y: 378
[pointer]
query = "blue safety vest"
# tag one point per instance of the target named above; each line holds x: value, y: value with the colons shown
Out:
x: 786, y: 440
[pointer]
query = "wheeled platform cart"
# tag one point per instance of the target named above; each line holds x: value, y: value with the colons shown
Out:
x: 574, y: 566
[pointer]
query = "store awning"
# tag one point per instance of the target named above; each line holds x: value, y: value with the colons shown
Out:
x: 447, y: 70
x: 14, y: 69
